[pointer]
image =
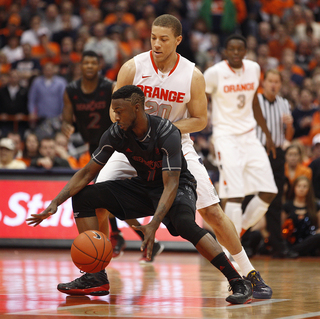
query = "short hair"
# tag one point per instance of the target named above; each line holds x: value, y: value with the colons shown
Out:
x: 235, y: 37
x: 273, y: 71
x: 169, y: 21
x: 90, y: 53
x: 130, y: 92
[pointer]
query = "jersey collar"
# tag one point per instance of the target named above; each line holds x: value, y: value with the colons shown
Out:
x: 232, y: 68
x: 156, y: 68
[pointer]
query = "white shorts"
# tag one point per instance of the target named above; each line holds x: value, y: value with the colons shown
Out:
x: 118, y: 167
x: 244, y: 166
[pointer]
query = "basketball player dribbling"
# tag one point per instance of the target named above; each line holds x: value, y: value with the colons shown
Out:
x: 232, y: 85
x: 88, y: 100
x: 175, y: 89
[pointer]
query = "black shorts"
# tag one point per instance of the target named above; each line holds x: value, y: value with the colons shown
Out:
x: 130, y: 199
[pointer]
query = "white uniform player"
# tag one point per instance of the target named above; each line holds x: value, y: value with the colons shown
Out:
x: 166, y: 96
x: 243, y: 162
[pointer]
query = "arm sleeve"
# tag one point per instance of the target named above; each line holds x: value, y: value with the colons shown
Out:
x: 104, y: 151
x: 172, y: 155
x: 211, y: 79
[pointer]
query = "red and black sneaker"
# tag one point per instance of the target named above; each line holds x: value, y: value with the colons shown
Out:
x: 118, y: 244
x: 96, y: 284
x: 242, y: 291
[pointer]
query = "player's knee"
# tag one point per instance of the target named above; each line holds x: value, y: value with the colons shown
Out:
x: 213, y: 215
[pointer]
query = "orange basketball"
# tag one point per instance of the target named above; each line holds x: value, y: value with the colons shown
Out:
x: 91, y: 251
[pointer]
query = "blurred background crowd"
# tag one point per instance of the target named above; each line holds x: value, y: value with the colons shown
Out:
x: 41, y: 42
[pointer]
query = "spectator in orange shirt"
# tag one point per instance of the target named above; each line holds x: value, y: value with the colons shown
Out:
x: 12, y: 29
x: 46, y: 51
x: 293, y: 167
x: 120, y: 14
x: 280, y: 42
x: 275, y: 7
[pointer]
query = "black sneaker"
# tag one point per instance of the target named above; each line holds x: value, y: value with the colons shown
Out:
x: 242, y: 291
x: 156, y: 250
x: 260, y: 289
x: 96, y: 284
x: 118, y: 244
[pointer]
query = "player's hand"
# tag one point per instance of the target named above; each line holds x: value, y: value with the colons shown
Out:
x: 67, y: 129
x: 149, y: 232
x: 270, y: 147
x: 36, y: 219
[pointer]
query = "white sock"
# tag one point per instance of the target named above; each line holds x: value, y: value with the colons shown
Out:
x: 234, y: 212
x: 243, y: 261
x: 254, y: 212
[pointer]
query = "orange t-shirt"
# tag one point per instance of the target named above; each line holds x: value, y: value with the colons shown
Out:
x: 301, y: 170
x: 276, y: 7
x: 276, y: 48
x: 39, y: 52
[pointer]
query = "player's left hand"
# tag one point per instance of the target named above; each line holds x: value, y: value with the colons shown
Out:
x: 270, y: 147
x: 149, y: 232
x: 36, y: 219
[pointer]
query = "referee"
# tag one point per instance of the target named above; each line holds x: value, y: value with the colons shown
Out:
x: 276, y: 111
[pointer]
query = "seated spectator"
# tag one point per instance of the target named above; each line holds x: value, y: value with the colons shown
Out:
x: 301, y: 29
x: 16, y: 138
x: 66, y: 30
x: 62, y: 150
x: 315, y: 60
x: 13, y: 49
x: 302, y: 116
x: 315, y: 150
x: 103, y: 46
x: 270, y: 8
x: 280, y: 42
x: 297, y: 74
x: 293, y: 167
x: 13, y: 105
x: 28, y: 67
x: 45, y: 51
x: 67, y: 8
x: 264, y: 33
x: 120, y: 15
x: 31, y: 149
x: 4, y: 65
x: 12, y: 29
x: 303, y: 55
x: 301, y: 215
x: 52, y: 20
x: 7, y: 160
x: 48, y: 158
x: 31, y: 35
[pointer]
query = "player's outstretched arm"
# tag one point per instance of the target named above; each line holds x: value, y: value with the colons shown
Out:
x: 171, y: 184
x: 67, y: 127
x: 78, y: 181
x: 197, y: 106
x: 262, y: 123
x: 125, y: 77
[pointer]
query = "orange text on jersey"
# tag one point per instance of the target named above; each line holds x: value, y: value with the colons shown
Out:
x: 238, y: 88
x: 159, y: 93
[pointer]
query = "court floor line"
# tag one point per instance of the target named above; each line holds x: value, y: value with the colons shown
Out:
x: 52, y: 311
x: 303, y: 316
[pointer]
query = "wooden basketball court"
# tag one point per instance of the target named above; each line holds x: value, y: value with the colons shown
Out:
x: 176, y: 285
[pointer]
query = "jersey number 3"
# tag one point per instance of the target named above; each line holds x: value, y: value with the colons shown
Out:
x: 242, y: 101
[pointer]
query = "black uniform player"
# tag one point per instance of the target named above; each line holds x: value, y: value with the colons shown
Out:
x: 88, y: 101
x: 164, y: 189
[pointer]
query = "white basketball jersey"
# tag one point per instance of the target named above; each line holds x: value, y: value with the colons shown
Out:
x: 232, y: 95
x: 166, y: 95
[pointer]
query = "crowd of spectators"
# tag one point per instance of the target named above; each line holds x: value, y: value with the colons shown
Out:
x: 41, y: 42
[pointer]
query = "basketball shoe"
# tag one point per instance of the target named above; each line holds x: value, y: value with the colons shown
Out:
x: 260, y: 289
x: 242, y: 291
x: 157, y: 250
x: 118, y: 244
x: 96, y: 284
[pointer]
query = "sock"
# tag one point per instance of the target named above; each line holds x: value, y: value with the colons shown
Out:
x: 234, y: 212
x: 222, y: 263
x: 243, y: 261
x: 114, y: 225
x: 254, y: 212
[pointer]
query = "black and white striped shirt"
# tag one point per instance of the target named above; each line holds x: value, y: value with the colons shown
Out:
x: 273, y: 113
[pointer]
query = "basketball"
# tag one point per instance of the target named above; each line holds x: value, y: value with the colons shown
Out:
x: 91, y: 251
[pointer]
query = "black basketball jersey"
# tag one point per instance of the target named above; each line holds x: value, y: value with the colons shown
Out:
x: 91, y: 110
x: 160, y: 150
